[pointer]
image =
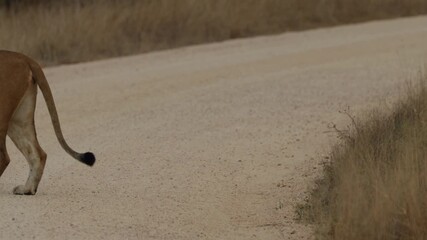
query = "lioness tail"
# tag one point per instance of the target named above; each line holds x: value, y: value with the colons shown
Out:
x: 39, y: 77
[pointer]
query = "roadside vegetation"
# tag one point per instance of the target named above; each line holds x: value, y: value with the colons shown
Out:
x: 375, y: 185
x: 70, y: 31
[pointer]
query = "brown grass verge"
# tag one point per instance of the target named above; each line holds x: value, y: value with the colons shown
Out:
x: 73, y: 31
x: 375, y: 185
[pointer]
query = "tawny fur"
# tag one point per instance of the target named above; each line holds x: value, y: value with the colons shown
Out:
x: 19, y: 78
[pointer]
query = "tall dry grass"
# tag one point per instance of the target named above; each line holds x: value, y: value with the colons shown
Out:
x: 375, y: 186
x: 76, y: 30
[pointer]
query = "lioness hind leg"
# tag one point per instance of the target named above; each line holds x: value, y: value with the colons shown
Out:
x: 24, y: 137
x: 23, y: 134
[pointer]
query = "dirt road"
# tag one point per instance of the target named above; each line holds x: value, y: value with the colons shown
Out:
x: 208, y: 142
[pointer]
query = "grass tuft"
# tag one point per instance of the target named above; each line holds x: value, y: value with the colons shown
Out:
x: 375, y: 185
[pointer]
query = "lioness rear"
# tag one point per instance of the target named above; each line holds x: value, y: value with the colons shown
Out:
x: 19, y: 78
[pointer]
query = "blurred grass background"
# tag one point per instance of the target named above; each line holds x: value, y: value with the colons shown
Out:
x: 69, y: 31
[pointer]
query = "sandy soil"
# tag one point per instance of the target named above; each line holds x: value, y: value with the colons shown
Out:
x: 209, y: 142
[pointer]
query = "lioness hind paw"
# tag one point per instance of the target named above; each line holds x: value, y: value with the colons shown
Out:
x: 22, y: 190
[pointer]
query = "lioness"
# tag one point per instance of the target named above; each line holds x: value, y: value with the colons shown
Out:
x: 19, y: 78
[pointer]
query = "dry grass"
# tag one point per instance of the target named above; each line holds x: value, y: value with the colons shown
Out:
x: 70, y: 31
x: 375, y: 186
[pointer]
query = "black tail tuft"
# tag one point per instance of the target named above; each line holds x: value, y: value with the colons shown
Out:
x: 88, y: 158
